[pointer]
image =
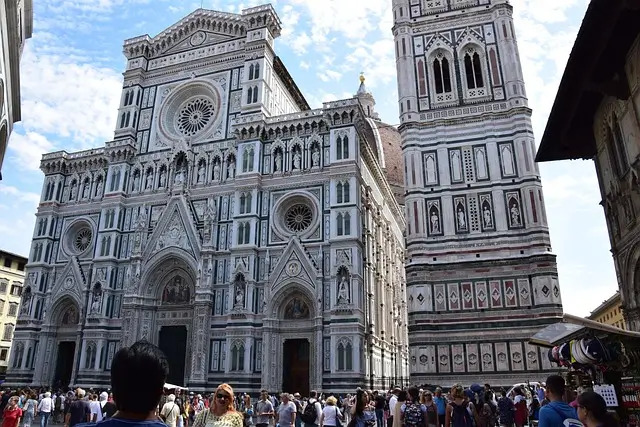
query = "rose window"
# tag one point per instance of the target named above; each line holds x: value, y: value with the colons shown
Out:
x: 194, y: 116
x: 298, y: 218
x: 82, y: 239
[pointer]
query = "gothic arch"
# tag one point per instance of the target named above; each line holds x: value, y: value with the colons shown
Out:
x: 164, y: 265
x: 61, y: 306
x: 630, y: 285
x: 285, y: 294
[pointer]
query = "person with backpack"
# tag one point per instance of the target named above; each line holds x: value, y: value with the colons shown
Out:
x: 413, y: 413
x: 557, y: 413
x: 311, y: 414
x: 458, y: 413
x: 506, y: 410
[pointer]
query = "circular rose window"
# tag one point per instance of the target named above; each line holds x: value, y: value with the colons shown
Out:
x: 82, y: 239
x: 298, y: 218
x: 194, y: 116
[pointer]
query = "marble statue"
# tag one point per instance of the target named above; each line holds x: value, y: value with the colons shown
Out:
x: 73, y: 191
x: 149, y: 183
x: 435, y: 223
x: 486, y: 215
x: 231, y: 169
x: 239, y: 302
x: 297, y: 160
x: 462, y: 221
x: 201, y: 172
x: 99, y: 188
x: 216, y: 171
x: 515, y: 215
x: 163, y: 177
x: 136, y: 181
x: 343, y: 291
x: 277, y: 166
x: 85, y: 190
x: 96, y: 305
x: 179, y: 179
x: 315, y: 157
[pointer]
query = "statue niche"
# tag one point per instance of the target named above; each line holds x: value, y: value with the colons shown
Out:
x: 296, y: 309
x: 239, y: 291
x: 177, y: 291
x: 344, y: 286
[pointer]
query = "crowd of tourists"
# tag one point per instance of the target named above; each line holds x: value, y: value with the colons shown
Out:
x: 137, y: 398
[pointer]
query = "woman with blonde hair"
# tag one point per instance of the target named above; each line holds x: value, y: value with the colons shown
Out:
x: 221, y: 412
x: 458, y: 411
x: 331, y: 415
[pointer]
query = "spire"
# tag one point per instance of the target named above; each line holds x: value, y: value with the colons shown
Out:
x: 362, y: 90
x: 366, y: 99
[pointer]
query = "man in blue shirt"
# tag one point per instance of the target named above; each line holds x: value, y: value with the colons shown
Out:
x: 138, y: 375
x: 557, y: 413
x: 441, y: 404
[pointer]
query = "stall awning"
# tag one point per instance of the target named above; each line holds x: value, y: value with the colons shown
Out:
x: 574, y: 327
x: 168, y: 386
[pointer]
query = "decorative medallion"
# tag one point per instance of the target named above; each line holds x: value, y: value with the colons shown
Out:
x: 556, y: 291
x: 467, y: 295
x: 458, y: 359
x: 198, y: 38
x: 473, y: 359
x: 486, y: 359
x: 293, y: 268
x: 532, y: 357
x: 502, y: 357
x: 420, y: 298
x: 482, y: 296
x: 194, y: 116
x: 440, y: 298
x: 545, y: 290
x: 298, y: 218
x: 444, y: 360
x: 423, y: 359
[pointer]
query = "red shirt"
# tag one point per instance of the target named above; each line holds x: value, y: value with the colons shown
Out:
x: 11, y: 417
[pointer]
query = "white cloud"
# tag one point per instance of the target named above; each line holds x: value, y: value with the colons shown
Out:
x: 17, y: 195
x: 78, y: 102
x: 300, y: 43
x: 27, y: 150
x: 329, y: 75
x: 304, y: 65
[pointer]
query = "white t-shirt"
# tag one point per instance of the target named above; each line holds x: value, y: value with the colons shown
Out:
x: 46, y: 405
x: 392, y: 404
x: 96, y: 409
x: 330, y: 413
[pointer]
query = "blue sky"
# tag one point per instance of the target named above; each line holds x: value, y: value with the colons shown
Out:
x: 72, y: 75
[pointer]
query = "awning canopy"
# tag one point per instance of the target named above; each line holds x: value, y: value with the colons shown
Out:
x: 574, y: 327
x: 168, y: 386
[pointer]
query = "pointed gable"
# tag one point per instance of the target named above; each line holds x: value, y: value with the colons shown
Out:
x: 70, y: 283
x: 294, y: 264
x: 199, y: 27
x: 175, y: 229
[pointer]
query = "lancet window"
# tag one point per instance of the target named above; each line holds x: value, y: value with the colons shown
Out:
x: 245, y: 203
x: 473, y: 69
x: 343, y: 224
x: 345, y: 355
x: 342, y: 192
x: 237, y: 357
x: 342, y: 147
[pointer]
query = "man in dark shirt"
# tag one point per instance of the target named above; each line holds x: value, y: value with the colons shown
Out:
x: 381, y: 402
x: 79, y: 411
x: 138, y: 375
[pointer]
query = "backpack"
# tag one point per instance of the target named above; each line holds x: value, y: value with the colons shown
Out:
x: 413, y: 415
x: 461, y: 416
x: 310, y: 413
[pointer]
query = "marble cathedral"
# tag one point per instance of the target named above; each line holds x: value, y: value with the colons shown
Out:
x: 481, y: 277
x: 254, y: 239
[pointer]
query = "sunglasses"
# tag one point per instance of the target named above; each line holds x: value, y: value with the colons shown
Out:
x: 223, y: 396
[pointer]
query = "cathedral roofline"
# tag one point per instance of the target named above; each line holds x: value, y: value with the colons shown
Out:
x: 294, y: 91
x: 595, y: 69
x: 231, y: 24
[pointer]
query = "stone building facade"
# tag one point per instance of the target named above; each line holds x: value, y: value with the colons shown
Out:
x: 596, y: 116
x: 247, y: 235
x: 481, y: 277
x: 16, y: 26
x: 12, y: 268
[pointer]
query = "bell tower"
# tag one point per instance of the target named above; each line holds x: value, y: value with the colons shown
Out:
x: 481, y: 277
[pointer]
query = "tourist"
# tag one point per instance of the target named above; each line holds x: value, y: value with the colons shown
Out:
x: 79, y: 411
x: 363, y: 411
x: 397, y: 415
x: 286, y: 414
x: 592, y: 411
x: 557, y: 411
x: 432, y: 410
x: 264, y: 410
x: 12, y: 413
x: 222, y: 412
x: 170, y: 411
x: 44, y: 409
x: 458, y: 413
x: 520, y: 403
x: 29, y: 409
x: 331, y: 416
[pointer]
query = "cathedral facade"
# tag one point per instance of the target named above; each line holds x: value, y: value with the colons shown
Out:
x: 481, y: 277
x: 255, y: 240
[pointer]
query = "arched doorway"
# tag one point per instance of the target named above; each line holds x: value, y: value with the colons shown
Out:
x: 66, y: 318
x: 293, y: 337
x: 168, y: 312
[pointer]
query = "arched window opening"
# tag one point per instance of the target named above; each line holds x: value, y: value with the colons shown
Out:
x: 473, y: 70
x: 341, y: 354
x: 339, y: 192
x: 339, y: 225
x: 345, y: 147
x: 256, y: 74
x: 122, y: 120
x: 251, y: 72
x: 255, y: 94
x: 249, y: 95
x: 618, y: 148
x: 442, y: 75
x: 347, y: 224
x: 237, y: 357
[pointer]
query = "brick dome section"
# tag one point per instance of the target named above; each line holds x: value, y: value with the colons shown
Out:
x: 388, y: 138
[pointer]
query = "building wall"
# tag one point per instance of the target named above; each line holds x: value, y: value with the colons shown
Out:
x: 617, y: 129
x: 15, y: 27
x: 257, y: 220
x: 610, y: 312
x: 11, y: 284
x: 481, y: 277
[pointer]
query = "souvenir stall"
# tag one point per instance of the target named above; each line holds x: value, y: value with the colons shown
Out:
x: 597, y: 356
